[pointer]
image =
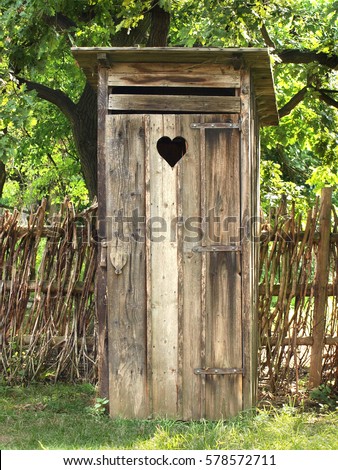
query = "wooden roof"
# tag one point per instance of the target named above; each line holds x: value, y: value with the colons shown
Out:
x: 255, y: 59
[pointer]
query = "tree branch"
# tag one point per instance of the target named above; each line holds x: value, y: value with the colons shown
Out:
x: 266, y: 36
x: 295, y: 56
x: 56, y: 97
x: 325, y: 90
x: 60, y: 21
x: 290, y: 105
x: 2, y: 176
x: 327, y: 99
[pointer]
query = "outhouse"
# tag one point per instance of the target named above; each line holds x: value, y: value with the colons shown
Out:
x: 178, y: 176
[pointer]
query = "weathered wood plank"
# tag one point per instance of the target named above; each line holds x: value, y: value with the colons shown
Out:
x: 223, y: 281
x: 173, y: 74
x: 255, y: 230
x: 180, y: 275
x: 126, y: 280
x: 249, y: 382
x: 192, y: 265
x: 203, y: 304
x: 101, y: 274
x: 174, y: 103
x: 164, y: 272
x: 148, y: 340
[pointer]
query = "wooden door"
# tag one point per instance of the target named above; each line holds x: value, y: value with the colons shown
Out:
x: 174, y: 269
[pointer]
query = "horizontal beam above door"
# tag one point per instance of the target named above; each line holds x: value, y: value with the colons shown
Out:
x: 174, y: 103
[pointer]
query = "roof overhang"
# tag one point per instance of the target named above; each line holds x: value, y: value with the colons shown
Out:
x: 257, y: 60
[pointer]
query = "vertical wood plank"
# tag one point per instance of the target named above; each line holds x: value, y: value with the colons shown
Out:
x: 126, y: 279
x: 223, y: 280
x: 180, y: 274
x: 249, y: 325
x: 255, y: 228
x: 203, y: 305
x: 192, y: 321
x: 164, y: 272
x: 101, y: 274
x: 148, y: 260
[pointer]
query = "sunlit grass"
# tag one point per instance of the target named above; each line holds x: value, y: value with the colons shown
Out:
x: 63, y: 417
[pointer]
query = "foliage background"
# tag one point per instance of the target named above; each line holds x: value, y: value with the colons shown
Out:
x: 44, y: 123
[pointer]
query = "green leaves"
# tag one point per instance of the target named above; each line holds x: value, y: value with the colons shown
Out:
x: 36, y: 37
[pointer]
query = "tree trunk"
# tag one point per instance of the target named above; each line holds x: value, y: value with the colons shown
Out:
x: 84, y: 120
x: 83, y: 115
x: 84, y: 126
x: 160, y: 23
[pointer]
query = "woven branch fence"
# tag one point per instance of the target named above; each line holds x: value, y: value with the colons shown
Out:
x: 298, y: 296
x: 47, y: 311
x: 48, y: 325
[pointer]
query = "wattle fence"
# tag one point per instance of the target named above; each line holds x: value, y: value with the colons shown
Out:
x: 48, y: 325
x: 47, y: 310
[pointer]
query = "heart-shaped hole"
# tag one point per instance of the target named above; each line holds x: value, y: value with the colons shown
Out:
x: 172, y: 150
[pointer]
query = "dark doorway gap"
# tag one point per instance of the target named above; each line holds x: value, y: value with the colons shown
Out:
x: 160, y: 90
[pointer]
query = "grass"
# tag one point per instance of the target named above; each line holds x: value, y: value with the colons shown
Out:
x: 68, y: 417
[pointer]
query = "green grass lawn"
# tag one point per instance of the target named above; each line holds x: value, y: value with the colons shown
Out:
x: 64, y: 417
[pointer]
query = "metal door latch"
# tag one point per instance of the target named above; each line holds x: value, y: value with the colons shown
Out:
x: 216, y: 248
x: 218, y: 371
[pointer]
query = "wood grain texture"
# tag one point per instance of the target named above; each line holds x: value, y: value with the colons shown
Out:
x: 126, y: 289
x: 101, y: 275
x: 192, y: 324
x: 174, y: 103
x: 174, y: 75
x: 223, y: 272
x: 174, y: 309
x: 246, y: 158
x: 256, y: 60
x: 164, y: 272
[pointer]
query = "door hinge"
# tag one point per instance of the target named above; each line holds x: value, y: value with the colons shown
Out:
x: 218, y: 371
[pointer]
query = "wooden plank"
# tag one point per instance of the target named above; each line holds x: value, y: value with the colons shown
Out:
x: 223, y: 281
x: 126, y: 280
x: 164, y: 272
x: 180, y: 273
x: 249, y: 381
x: 101, y: 273
x: 192, y: 324
x: 320, y: 288
x: 184, y: 68
x: 174, y: 103
x: 173, y: 74
x: 148, y: 152
x: 255, y: 230
x: 203, y: 305
x: 258, y: 57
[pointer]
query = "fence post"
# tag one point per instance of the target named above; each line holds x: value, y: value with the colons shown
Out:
x: 320, y: 289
